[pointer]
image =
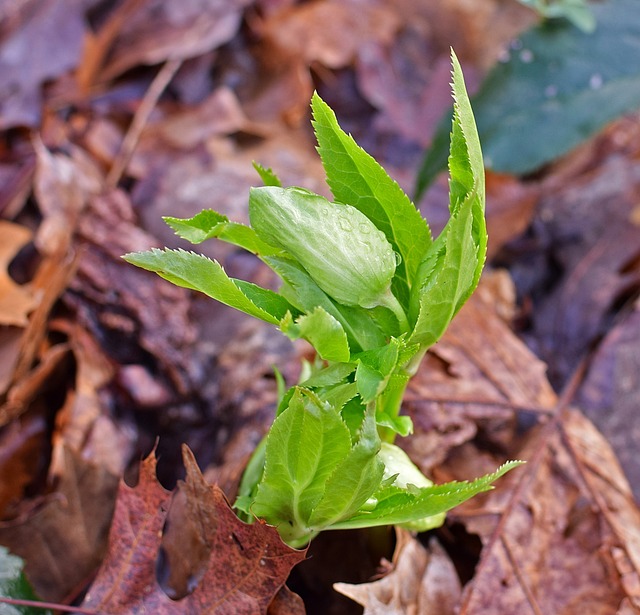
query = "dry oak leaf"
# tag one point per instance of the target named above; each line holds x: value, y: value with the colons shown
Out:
x: 247, y: 565
x: 422, y: 582
x: 562, y: 537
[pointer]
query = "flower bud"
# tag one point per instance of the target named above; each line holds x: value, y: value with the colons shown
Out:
x: 347, y: 256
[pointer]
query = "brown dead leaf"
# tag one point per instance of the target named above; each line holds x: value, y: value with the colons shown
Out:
x: 16, y: 301
x: 62, y: 536
x: 421, y: 582
x: 329, y: 32
x: 154, y: 31
x: 246, y: 567
x: 45, y: 43
x: 610, y: 394
x: 565, y: 539
x: 473, y: 380
x: 62, y: 187
x: 581, y: 261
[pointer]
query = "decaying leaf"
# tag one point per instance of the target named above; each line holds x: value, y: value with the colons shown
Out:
x: 16, y: 301
x: 421, y: 582
x: 244, y: 567
x: 565, y: 539
x: 62, y: 536
x: 610, y: 394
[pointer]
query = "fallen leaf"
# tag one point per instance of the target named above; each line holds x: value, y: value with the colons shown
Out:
x: 587, y: 246
x: 44, y: 44
x: 565, y: 538
x: 16, y: 301
x: 421, y: 581
x: 62, y: 536
x: 159, y: 30
x: 329, y: 32
x: 246, y: 566
x: 610, y: 393
x: 473, y: 380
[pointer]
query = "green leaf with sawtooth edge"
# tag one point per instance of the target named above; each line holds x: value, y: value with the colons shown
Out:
x: 353, y: 481
x: 268, y: 177
x: 304, y: 446
x: 197, y: 272
x: 209, y: 224
x: 452, y: 267
x: 357, y: 179
x: 399, y: 506
x: 322, y: 331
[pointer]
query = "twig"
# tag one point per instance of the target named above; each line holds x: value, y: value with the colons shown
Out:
x: 140, y: 119
x: 46, y: 605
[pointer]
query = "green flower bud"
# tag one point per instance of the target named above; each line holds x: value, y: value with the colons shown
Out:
x: 347, y: 256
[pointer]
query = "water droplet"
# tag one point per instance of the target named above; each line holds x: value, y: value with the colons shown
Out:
x: 551, y: 91
x: 516, y: 44
x: 325, y: 211
x: 345, y: 224
x: 398, y: 258
x: 365, y: 229
x: 526, y: 56
x: 596, y: 81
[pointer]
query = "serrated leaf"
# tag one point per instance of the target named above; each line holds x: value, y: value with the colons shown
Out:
x: 354, y: 480
x: 330, y: 375
x: 400, y: 506
x: 197, y: 272
x: 322, y: 331
x: 452, y: 267
x: 305, y: 444
x: 357, y: 179
x: 267, y: 175
x: 209, y: 224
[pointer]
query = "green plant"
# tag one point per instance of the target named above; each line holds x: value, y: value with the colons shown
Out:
x: 366, y: 285
x: 575, y: 11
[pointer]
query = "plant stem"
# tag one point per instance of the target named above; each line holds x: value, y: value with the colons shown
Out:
x: 389, y: 301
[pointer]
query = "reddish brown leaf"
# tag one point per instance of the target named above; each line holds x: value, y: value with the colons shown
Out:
x: 567, y: 540
x: 247, y: 564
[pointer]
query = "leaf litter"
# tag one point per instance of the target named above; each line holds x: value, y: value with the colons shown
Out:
x: 99, y: 360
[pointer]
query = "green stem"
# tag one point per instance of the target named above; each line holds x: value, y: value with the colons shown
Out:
x: 389, y: 301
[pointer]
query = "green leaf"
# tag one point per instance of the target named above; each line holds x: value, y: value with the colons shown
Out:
x: 341, y: 249
x: 209, y: 224
x: 356, y: 178
x: 268, y: 177
x: 353, y: 481
x: 330, y: 375
x: 13, y: 584
x: 304, y: 446
x: 322, y: 331
x: 398, y: 506
x: 362, y: 330
x: 374, y: 369
x: 197, y: 272
x: 451, y: 269
x: 560, y: 86
x: 406, y: 475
